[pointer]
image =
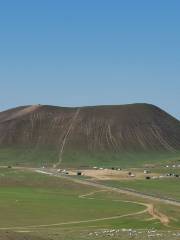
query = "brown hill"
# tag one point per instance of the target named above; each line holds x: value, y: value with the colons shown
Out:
x: 133, y: 127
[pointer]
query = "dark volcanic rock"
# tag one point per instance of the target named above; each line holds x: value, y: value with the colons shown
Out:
x: 113, y: 128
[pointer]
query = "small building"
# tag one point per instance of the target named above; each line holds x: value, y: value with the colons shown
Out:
x: 155, y: 177
x: 65, y: 172
x: 79, y: 173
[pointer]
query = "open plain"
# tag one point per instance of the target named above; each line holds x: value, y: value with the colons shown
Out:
x: 106, y: 172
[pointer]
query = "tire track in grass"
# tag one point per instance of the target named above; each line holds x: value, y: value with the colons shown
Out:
x: 85, y: 196
x: 149, y: 209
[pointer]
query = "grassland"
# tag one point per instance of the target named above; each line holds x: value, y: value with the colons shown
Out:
x: 30, y: 199
x: 54, y: 208
x: 37, y: 156
x: 165, y: 188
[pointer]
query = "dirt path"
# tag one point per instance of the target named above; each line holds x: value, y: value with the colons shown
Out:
x: 75, y: 222
x: 157, y: 215
x: 118, y: 190
x: 67, y: 135
x: 85, y: 196
x: 149, y: 207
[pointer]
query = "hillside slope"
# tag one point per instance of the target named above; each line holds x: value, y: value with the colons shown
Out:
x: 116, y: 129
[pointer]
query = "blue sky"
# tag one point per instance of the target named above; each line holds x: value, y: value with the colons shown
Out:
x: 90, y: 52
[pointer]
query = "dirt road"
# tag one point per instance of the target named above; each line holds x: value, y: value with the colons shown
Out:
x: 118, y: 190
x: 149, y: 207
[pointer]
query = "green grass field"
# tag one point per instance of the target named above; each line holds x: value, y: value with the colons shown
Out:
x: 28, y: 198
x: 26, y: 207
x: 53, y: 208
x: 166, y: 188
x: 38, y: 157
x: 51, y: 201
